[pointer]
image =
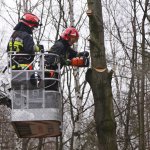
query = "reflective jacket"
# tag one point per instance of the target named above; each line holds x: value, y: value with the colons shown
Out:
x: 21, y: 42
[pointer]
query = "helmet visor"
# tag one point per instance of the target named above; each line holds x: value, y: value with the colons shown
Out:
x: 30, y: 23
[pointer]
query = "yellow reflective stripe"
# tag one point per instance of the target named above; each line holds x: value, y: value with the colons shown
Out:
x: 17, y: 45
x: 19, y: 65
x: 23, y: 65
x: 13, y: 67
x: 10, y: 46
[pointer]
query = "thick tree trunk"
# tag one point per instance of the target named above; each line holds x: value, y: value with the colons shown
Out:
x: 100, y: 80
x: 142, y: 140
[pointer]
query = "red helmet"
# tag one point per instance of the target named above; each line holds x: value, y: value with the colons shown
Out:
x: 69, y: 33
x: 30, y: 20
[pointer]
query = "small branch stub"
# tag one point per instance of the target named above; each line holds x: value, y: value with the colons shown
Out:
x: 89, y: 12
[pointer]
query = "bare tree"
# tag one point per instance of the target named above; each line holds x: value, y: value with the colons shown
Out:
x: 100, y: 80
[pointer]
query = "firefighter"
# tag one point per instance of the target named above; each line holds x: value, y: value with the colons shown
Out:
x: 67, y: 55
x: 22, y: 42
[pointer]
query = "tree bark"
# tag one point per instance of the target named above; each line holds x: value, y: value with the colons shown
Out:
x: 142, y: 145
x: 100, y: 80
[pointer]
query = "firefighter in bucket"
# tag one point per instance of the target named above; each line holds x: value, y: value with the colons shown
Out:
x: 21, y: 42
x: 68, y: 56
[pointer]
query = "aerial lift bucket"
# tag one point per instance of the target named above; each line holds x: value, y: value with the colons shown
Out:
x: 36, y: 108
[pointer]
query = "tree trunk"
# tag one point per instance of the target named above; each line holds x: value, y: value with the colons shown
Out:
x: 25, y: 142
x: 77, y: 123
x: 143, y: 71
x: 40, y: 144
x: 100, y: 80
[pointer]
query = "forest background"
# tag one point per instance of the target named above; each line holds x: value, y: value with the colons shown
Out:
x: 126, y: 38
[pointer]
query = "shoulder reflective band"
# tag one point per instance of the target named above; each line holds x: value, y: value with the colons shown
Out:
x: 17, y: 45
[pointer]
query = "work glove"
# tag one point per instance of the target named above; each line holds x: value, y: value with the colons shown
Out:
x: 86, y: 62
x: 38, y: 48
x: 83, y: 54
x: 68, y: 62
